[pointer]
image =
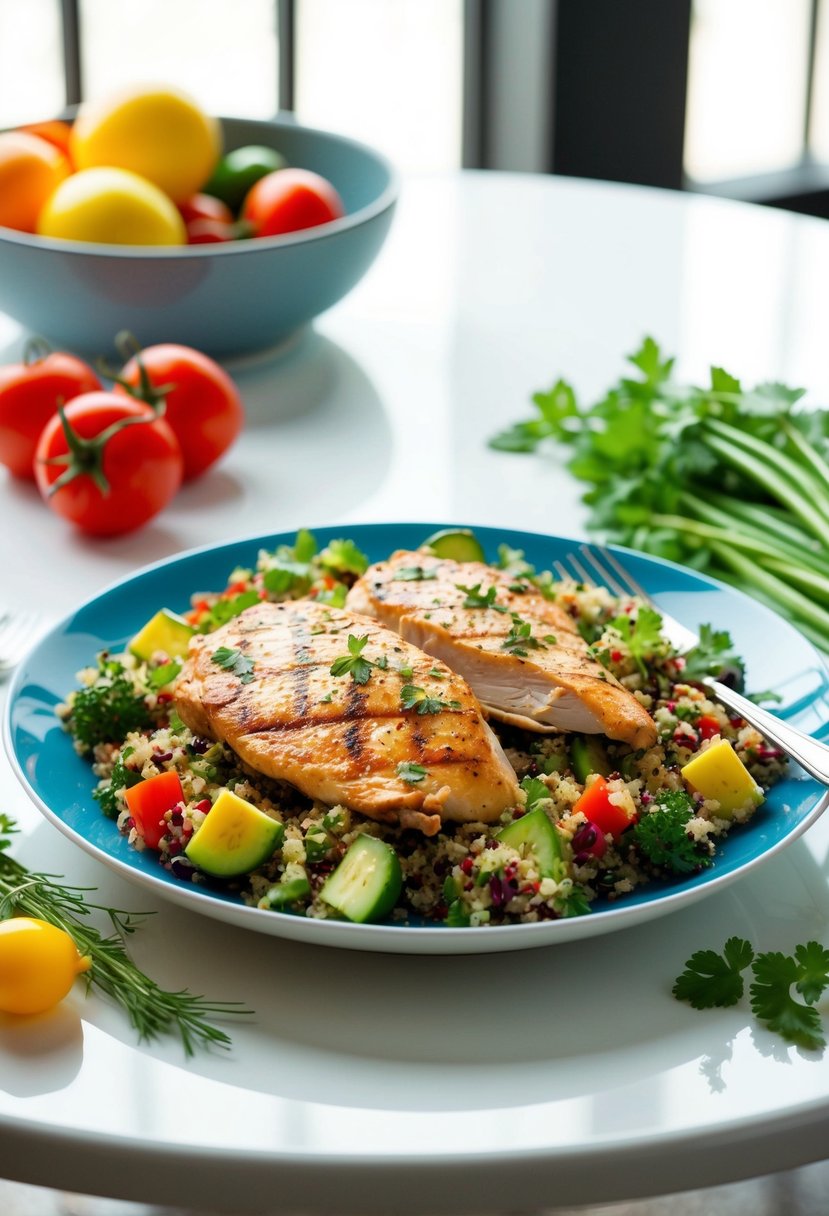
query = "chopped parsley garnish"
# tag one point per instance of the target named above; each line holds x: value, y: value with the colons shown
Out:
x: 536, y: 791
x: 710, y: 979
x: 122, y: 778
x: 413, y: 574
x: 412, y: 697
x: 520, y: 638
x: 411, y: 773
x: 354, y: 663
x: 662, y: 835
x: 232, y: 660
x: 475, y: 598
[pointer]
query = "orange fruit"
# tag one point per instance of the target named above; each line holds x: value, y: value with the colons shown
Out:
x: 54, y: 131
x: 30, y: 170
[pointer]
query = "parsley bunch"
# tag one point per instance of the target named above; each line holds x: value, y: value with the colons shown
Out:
x: 715, y: 980
x: 729, y: 480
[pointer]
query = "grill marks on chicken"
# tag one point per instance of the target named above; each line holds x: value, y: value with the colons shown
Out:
x: 341, y: 740
x: 520, y: 653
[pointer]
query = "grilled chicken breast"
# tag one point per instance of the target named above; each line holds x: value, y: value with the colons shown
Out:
x: 520, y: 653
x: 400, y: 739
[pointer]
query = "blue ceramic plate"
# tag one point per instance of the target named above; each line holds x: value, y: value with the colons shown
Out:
x: 60, y: 783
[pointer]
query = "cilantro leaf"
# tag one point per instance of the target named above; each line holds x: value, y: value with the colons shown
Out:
x: 232, y: 660
x: 475, y: 598
x: 773, y: 1003
x: 714, y: 980
x: 354, y: 663
x: 413, y: 697
x: 520, y: 640
x: 813, y: 973
x: 714, y: 656
x: 411, y: 773
x: 641, y: 634
x: 662, y: 835
x: 536, y: 791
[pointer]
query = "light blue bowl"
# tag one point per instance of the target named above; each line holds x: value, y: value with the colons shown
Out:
x: 222, y: 299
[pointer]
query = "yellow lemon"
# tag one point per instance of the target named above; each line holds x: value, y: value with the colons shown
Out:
x: 161, y: 134
x: 113, y: 207
x: 38, y: 965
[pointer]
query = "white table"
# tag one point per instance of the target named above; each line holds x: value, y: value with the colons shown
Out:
x: 497, y: 1083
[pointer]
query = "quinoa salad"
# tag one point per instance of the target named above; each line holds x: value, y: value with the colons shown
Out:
x: 594, y: 819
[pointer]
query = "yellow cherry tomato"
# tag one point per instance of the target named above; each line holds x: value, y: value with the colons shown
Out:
x: 160, y: 133
x: 38, y: 965
x: 113, y: 207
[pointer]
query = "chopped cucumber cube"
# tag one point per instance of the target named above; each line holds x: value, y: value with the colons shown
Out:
x: 366, y: 884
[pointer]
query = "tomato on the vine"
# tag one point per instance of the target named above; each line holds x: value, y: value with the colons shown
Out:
x: 30, y: 393
x: 202, y: 405
x: 107, y: 464
x: 288, y: 200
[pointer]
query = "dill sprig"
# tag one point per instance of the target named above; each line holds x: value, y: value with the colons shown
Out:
x: 152, y: 1011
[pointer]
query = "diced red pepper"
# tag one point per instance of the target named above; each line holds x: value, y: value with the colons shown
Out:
x: 149, y: 800
x: 596, y: 806
x: 708, y: 726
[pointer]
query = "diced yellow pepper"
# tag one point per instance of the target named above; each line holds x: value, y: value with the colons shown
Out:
x: 718, y: 772
x: 166, y: 631
x: 235, y: 838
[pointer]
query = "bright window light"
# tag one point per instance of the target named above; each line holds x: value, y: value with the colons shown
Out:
x: 746, y: 87
x: 31, y: 62
x: 387, y: 73
x: 224, y: 54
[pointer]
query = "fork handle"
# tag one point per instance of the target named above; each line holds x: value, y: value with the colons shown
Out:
x: 810, y: 754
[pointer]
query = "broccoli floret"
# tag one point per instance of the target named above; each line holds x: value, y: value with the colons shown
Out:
x: 109, y: 709
x: 662, y: 837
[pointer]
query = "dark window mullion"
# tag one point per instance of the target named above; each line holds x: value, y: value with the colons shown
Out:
x: 810, y: 78
x: 73, y: 79
x: 286, y: 28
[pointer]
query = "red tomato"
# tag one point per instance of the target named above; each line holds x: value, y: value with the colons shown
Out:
x: 147, y: 802
x: 288, y: 200
x: 205, y: 207
x: 596, y: 806
x: 126, y: 464
x: 203, y: 406
x: 708, y: 726
x: 210, y: 232
x: 30, y: 393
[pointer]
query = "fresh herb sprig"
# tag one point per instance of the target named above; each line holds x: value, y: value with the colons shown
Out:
x: 152, y: 1011
x: 713, y: 980
x: 729, y: 480
x: 233, y: 660
x: 355, y: 663
x: 475, y: 598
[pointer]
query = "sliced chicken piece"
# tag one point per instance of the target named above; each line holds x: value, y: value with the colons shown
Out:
x: 409, y: 745
x: 520, y: 652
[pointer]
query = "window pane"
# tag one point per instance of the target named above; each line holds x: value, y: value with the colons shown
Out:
x: 31, y: 62
x: 387, y: 73
x: 820, y: 105
x: 746, y: 87
x: 224, y: 54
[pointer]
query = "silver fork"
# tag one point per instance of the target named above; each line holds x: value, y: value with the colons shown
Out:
x: 18, y: 630
x: 600, y: 567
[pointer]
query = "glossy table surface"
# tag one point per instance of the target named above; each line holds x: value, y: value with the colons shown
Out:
x: 473, y: 1084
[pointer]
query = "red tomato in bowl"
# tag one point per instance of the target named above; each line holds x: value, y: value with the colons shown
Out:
x: 289, y: 200
x: 125, y: 464
x: 30, y: 393
x: 205, y: 207
x: 202, y: 405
